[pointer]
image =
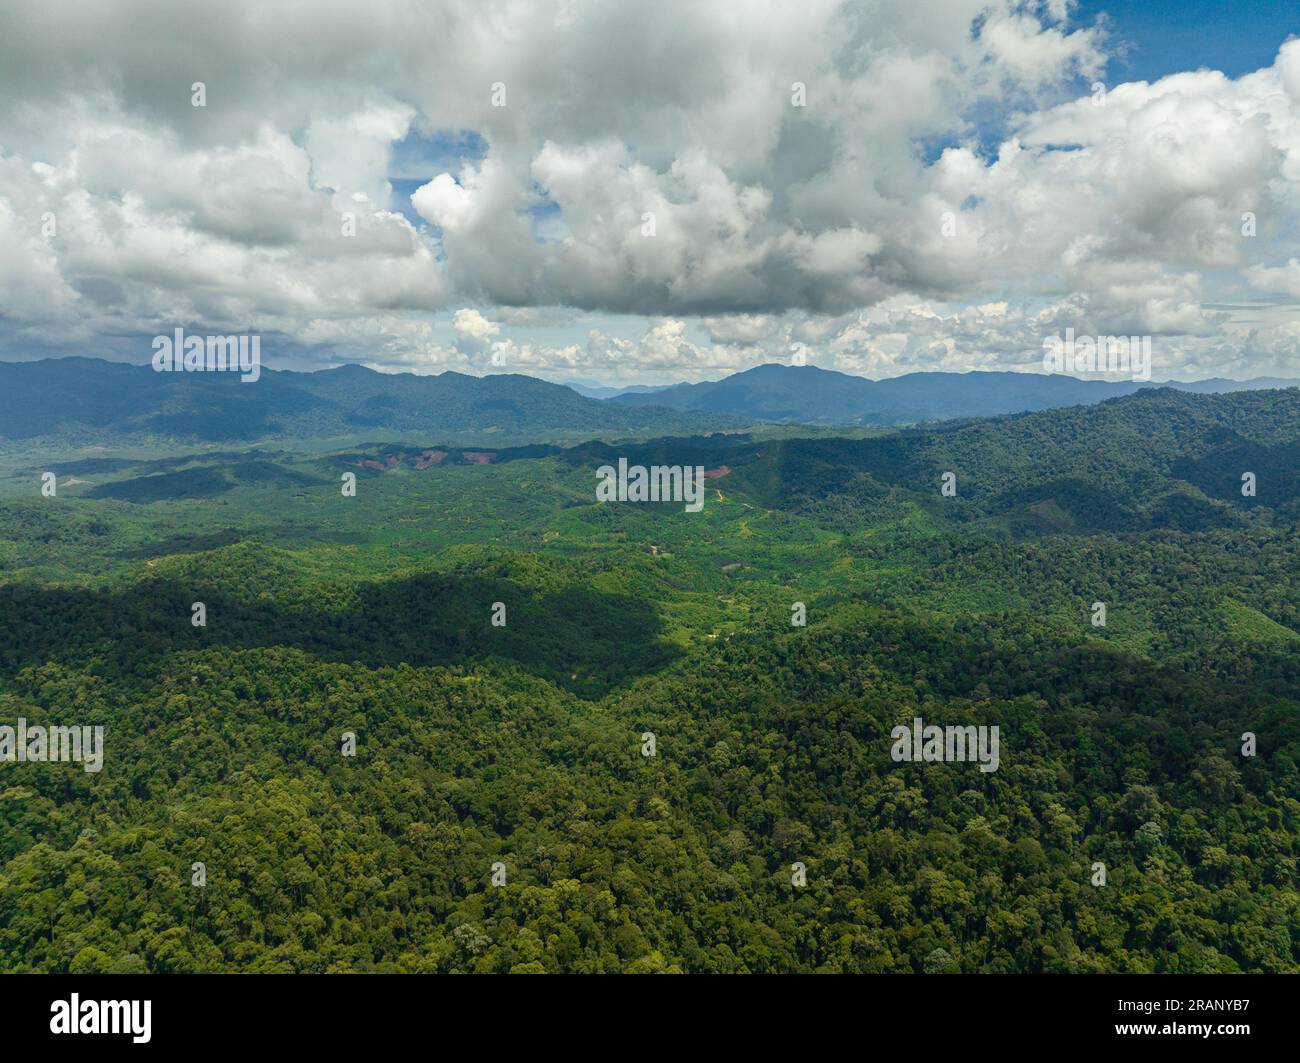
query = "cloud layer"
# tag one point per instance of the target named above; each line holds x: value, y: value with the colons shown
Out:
x: 656, y: 191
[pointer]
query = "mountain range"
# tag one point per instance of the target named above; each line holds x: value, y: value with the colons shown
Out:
x: 92, y: 399
x: 87, y: 398
x: 811, y: 395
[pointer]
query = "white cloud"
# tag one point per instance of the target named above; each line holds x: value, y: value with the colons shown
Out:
x: 1032, y: 54
x: 473, y: 331
x: 771, y: 223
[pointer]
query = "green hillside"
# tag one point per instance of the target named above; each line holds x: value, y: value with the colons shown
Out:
x: 1121, y: 745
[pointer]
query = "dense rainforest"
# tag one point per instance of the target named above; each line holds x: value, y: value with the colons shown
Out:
x: 499, y: 645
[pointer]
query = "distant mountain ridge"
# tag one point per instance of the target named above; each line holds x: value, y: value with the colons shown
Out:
x: 92, y: 398
x: 595, y: 390
x: 776, y: 392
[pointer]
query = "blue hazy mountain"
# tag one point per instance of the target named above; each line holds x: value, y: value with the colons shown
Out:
x: 808, y: 394
x: 88, y: 397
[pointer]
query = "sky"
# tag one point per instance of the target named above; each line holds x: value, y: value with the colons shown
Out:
x: 633, y: 193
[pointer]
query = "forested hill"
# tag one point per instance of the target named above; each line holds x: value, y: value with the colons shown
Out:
x: 1155, y: 459
x: 90, y: 400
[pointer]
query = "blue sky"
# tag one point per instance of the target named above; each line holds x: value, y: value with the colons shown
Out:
x: 1160, y: 37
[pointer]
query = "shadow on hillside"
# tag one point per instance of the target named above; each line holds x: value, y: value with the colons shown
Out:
x: 579, y: 638
x: 203, y: 481
x: 285, y: 536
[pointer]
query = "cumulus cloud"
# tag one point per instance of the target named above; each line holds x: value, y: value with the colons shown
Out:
x: 666, y: 190
x: 473, y: 328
